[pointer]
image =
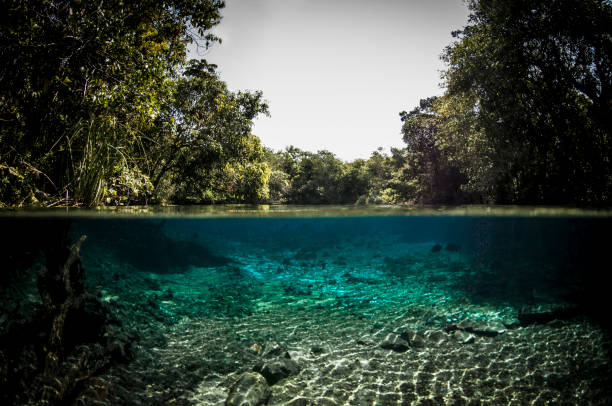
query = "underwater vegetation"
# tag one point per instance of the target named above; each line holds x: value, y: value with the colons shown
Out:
x: 305, y: 311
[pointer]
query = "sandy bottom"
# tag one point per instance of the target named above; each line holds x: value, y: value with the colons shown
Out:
x: 199, y: 330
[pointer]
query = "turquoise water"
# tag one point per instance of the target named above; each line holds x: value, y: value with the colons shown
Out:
x: 308, y: 306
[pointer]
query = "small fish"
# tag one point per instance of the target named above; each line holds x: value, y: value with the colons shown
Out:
x: 436, y: 248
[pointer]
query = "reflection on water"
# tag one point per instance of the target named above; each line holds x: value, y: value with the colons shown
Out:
x: 303, y: 305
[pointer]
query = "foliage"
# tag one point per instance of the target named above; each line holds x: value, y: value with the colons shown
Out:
x: 428, y: 165
x: 95, y: 105
x: 538, y: 77
x: 302, y: 177
x: 201, y: 143
x: 526, y: 118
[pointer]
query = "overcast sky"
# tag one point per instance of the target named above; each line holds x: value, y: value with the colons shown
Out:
x: 336, y: 73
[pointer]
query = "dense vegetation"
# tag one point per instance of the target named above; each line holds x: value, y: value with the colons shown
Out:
x: 99, y: 104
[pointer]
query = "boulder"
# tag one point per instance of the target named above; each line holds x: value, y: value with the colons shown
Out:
x: 251, y: 389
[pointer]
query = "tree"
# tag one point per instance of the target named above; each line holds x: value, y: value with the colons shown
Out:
x: 317, y: 179
x: 70, y: 68
x: 429, y: 170
x: 201, y: 147
x: 540, y: 79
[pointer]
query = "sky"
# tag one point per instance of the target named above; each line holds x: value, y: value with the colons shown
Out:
x: 336, y: 73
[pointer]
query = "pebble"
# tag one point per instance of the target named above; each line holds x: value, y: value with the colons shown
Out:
x: 463, y: 337
x: 395, y: 343
x: 277, y: 369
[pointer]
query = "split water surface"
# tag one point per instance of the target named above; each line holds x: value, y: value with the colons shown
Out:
x: 306, y: 306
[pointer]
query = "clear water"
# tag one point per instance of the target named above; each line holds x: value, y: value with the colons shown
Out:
x: 374, y: 306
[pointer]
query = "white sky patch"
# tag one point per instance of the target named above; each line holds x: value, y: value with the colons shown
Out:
x: 336, y: 73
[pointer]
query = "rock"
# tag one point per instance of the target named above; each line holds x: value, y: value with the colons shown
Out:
x: 463, y: 337
x: 544, y: 314
x: 511, y: 322
x: 317, y: 350
x: 368, y: 364
x: 436, y: 248
x: 452, y: 247
x: 489, y: 329
x: 273, y: 350
x: 251, y: 389
x: 395, y: 343
x: 298, y: 402
x: 343, y: 368
x: 276, y: 369
x: 415, y: 339
x: 365, y: 341
x: 435, y: 336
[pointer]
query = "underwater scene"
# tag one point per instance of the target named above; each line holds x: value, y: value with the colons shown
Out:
x: 345, y: 308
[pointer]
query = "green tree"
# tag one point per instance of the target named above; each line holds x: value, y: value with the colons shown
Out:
x: 317, y: 179
x: 202, y: 138
x: 354, y: 182
x: 70, y: 68
x: 428, y: 169
x: 539, y: 77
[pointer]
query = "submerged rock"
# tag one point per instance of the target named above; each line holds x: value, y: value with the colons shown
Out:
x: 488, y: 329
x: 452, y: 247
x: 463, y: 337
x: 251, y: 389
x: 298, y: 402
x: 273, y: 349
x: 395, y: 343
x: 343, y: 368
x: 416, y: 339
x: 277, y: 369
x: 544, y: 314
x: 317, y: 350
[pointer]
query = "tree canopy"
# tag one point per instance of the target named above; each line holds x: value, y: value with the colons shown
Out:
x: 535, y: 81
x: 99, y: 103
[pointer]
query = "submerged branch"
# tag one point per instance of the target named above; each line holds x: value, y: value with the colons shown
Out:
x: 55, y: 389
